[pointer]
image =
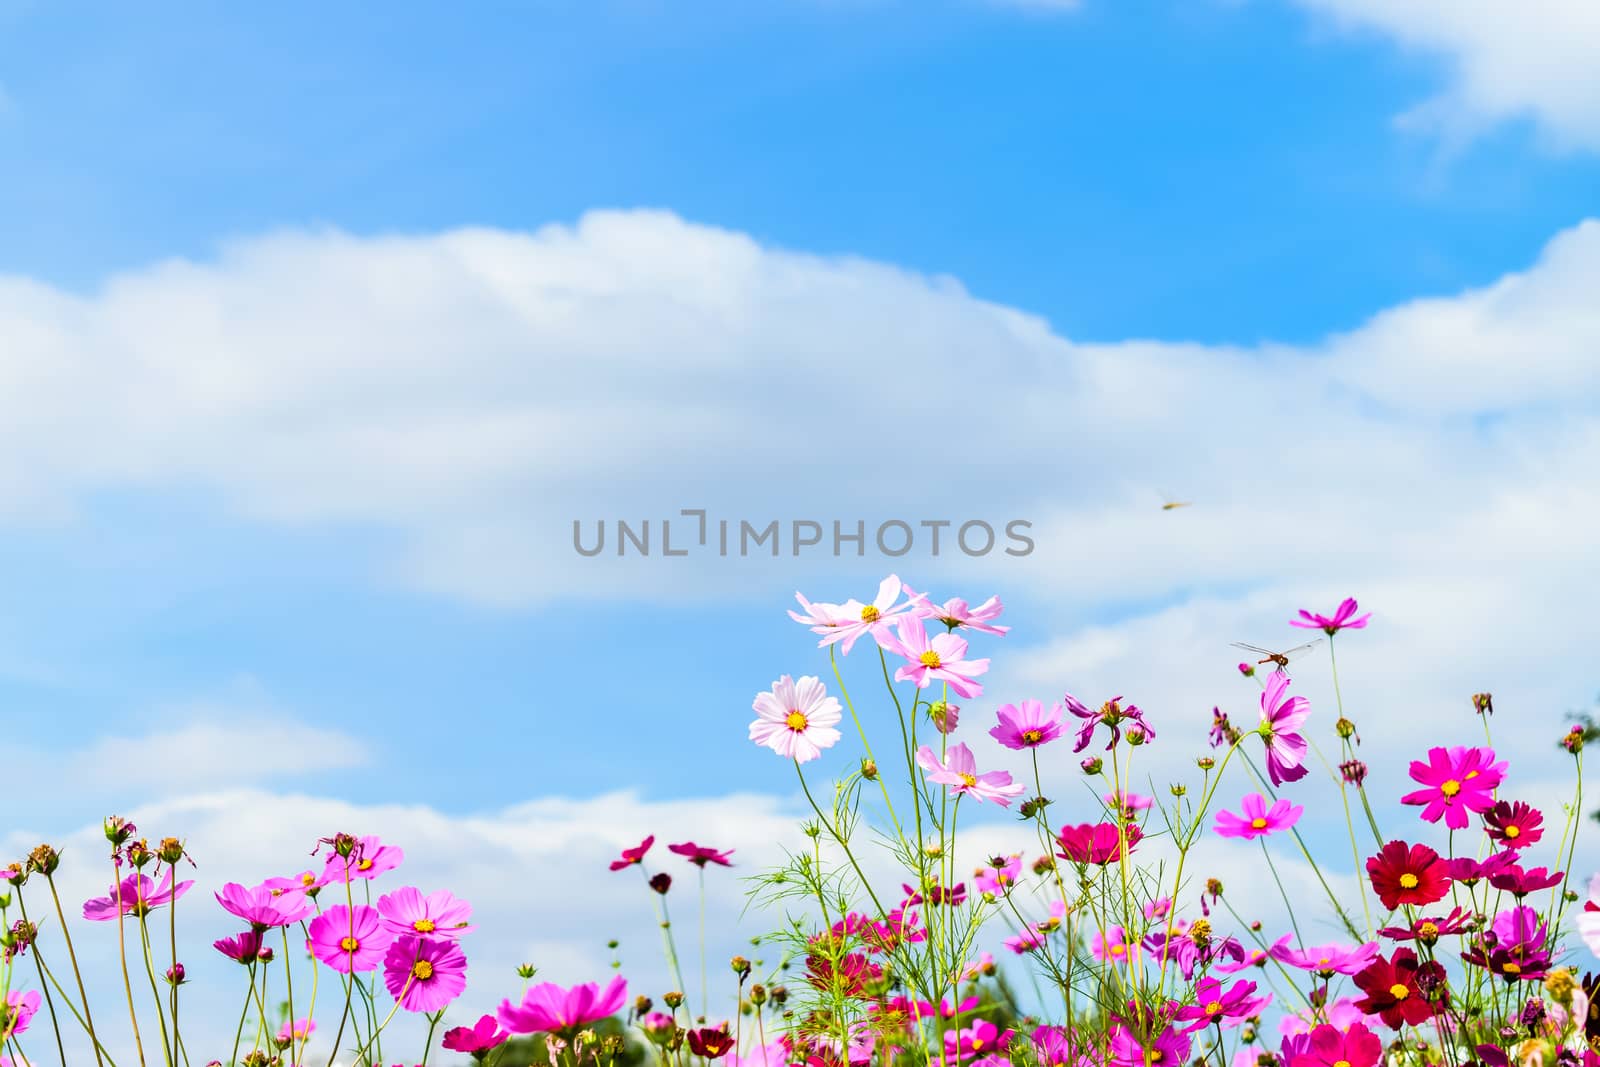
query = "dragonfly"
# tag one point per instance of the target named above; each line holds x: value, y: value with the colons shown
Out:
x: 1280, y: 660
x: 1173, y: 505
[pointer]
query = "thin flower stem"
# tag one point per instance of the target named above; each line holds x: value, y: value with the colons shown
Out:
x: 155, y: 993
x: 122, y: 950
x: 244, y: 1012
x: 72, y: 955
x: 1281, y: 891
x: 705, y: 996
x: 49, y: 1003
x: 288, y: 981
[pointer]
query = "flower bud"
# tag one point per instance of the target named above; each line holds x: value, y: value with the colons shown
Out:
x: 1483, y: 703
x: 1247, y: 669
x: 1354, y: 772
x: 1573, y: 741
x: 118, y: 830
x: 758, y: 994
x: 265, y: 955
x: 525, y: 970
x: 15, y: 873
x: 1213, y: 887
x: 139, y: 853
x: 171, y: 850
x: 1345, y: 728
x: 944, y: 715
x: 1033, y: 806
x: 1092, y: 765
x: 642, y: 1005
x: 661, y: 882
x: 44, y: 860
x: 741, y: 967
x: 673, y: 999
x: 869, y: 770
x: 1136, y: 735
x: 1205, y: 763
x: 1179, y: 789
x: 1044, y: 865
x: 176, y: 975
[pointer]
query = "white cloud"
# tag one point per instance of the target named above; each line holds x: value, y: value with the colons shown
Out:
x: 1530, y: 60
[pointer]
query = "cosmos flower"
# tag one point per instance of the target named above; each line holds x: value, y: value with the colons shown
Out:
x: 796, y: 719
x: 1113, y: 945
x: 299, y: 1031
x: 1324, y: 959
x: 960, y: 773
x: 710, y: 1042
x: 846, y: 977
x: 439, y: 914
x: 1588, y: 920
x: 772, y: 1054
x: 1455, y: 781
x: 634, y: 855
x: 1129, y: 1049
x: 1343, y: 619
x: 955, y: 613
x: 1519, y: 883
x: 1027, y: 725
x: 304, y: 882
x: 1192, y: 946
x: 1281, y: 719
x: 998, y: 880
x: 979, y: 1039
x: 1407, y: 874
x: 139, y: 895
x: 700, y: 855
x: 1330, y: 1046
x: 424, y: 974
x: 482, y: 1036
x: 1127, y: 804
x: 845, y: 624
x: 1215, y: 1006
x: 1430, y: 928
x: 549, y: 1009
x: 20, y: 1008
x: 1024, y: 941
x: 1394, y: 989
x: 263, y: 908
x: 1258, y: 820
x: 1518, y: 950
x: 1513, y: 824
x: 1112, y: 715
x: 242, y: 948
x: 1469, y: 872
x: 349, y: 940
x: 1097, y: 844
x: 942, y: 658
x: 370, y: 858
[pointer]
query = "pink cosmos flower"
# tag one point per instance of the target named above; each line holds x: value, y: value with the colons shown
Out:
x: 1456, y: 780
x: 1341, y: 1013
x: 1257, y: 819
x: 998, y: 881
x: 482, y: 1036
x: 440, y: 914
x: 1129, y: 1049
x: 772, y: 1054
x: 984, y: 964
x: 1098, y: 844
x: 700, y: 855
x: 1128, y: 803
x: 242, y: 948
x: 370, y: 858
x: 1113, y: 945
x: 1028, y: 725
x: 844, y: 624
x: 1215, y: 1006
x: 796, y: 719
x: 955, y: 613
x: 1343, y: 619
x: 424, y: 974
x: 139, y: 896
x: 941, y: 659
x: 1513, y: 824
x: 634, y: 855
x: 349, y: 940
x: 304, y: 882
x: 979, y: 1039
x: 1025, y: 941
x: 1112, y: 714
x: 1324, y: 959
x: 1330, y: 1046
x: 20, y: 1009
x: 298, y: 1032
x: 549, y: 1009
x: 961, y: 775
x: 262, y: 908
x: 1281, y: 719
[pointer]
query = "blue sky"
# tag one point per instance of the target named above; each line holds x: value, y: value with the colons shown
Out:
x: 288, y: 448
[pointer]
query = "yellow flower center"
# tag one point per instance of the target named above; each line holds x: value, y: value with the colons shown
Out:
x: 1258, y: 823
x: 796, y: 721
x: 969, y: 780
x: 1119, y: 950
x: 1408, y: 881
x: 1323, y: 962
x: 930, y: 658
x: 1428, y: 930
x: 1399, y: 992
x: 423, y: 926
x: 1513, y: 831
x: 1214, y: 1008
x: 1471, y: 775
x: 1032, y: 736
x: 1450, y: 788
x: 977, y: 1044
x: 308, y: 878
x: 349, y: 944
x: 364, y: 865
x: 1511, y: 968
x: 1154, y: 1055
x: 1341, y: 1063
x: 869, y: 614
x: 422, y: 970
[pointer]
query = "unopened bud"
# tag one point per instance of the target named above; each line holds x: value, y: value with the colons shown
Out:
x: 44, y: 860
x: 661, y: 882
x: 526, y: 970
x: 1205, y: 763
x: 869, y: 770
x: 1092, y: 765
x: 642, y: 1005
x: 171, y: 850
x: 1179, y: 789
x: 741, y: 967
x: 673, y: 999
x: 1345, y: 728
x: 1483, y: 703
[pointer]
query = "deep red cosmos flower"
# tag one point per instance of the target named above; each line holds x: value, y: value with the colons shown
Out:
x: 711, y: 1042
x: 1098, y: 844
x: 1395, y: 989
x: 1408, y: 874
x: 1519, y: 883
x: 847, y: 978
x: 1513, y: 824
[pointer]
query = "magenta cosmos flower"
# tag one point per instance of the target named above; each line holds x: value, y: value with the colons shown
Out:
x: 1513, y: 824
x: 956, y: 614
x: 349, y: 940
x: 1097, y: 844
x: 439, y: 914
x: 1129, y: 1049
x: 999, y: 875
x: 263, y: 908
x: 1027, y: 725
x: 943, y: 658
x: 960, y: 773
x: 1215, y: 1006
x: 1328, y: 1046
x: 796, y: 719
x: 1110, y: 714
x: 633, y: 856
x: 700, y: 855
x: 482, y: 1036
x: 370, y: 858
x: 304, y: 882
x: 1258, y: 819
x: 423, y: 974
x: 20, y: 1008
x: 1281, y: 719
x: 1455, y: 781
x: 845, y: 624
x: 242, y: 948
x: 1324, y: 959
x: 549, y: 1009
x: 1343, y: 619
x: 135, y: 895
